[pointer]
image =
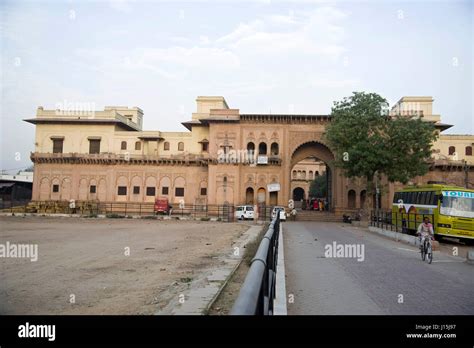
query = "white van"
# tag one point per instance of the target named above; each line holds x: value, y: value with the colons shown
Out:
x: 281, y: 211
x: 243, y: 212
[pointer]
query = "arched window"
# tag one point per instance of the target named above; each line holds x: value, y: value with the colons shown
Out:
x: 294, y: 174
x: 451, y: 150
x: 123, y: 145
x: 351, y: 197
x: 468, y: 150
x: 262, y: 149
x: 180, y: 146
x: 317, y: 173
x: 304, y: 174
x: 166, y: 146
x: 274, y: 149
x: 138, y: 146
x: 250, y: 146
x: 310, y: 175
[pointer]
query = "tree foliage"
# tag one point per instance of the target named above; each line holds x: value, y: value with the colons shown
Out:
x: 318, y: 187
x: 366, y: 141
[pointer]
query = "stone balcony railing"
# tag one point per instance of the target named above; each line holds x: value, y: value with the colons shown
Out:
x: 114, y: 158
x: 119, y: 158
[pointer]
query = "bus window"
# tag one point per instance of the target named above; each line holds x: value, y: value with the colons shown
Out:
x: 429, y: 198
x: 423, y: 198
x: 420, y: 197
x: 415, y: 197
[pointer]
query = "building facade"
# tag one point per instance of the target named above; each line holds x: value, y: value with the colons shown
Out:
x: 223, y: 157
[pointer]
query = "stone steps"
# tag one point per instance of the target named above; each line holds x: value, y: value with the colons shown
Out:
x: 317, y: 216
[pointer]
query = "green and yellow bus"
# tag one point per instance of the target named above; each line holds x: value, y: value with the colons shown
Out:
x: 450, y: 207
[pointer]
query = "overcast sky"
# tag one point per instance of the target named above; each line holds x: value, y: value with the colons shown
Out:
x: 262, y: 56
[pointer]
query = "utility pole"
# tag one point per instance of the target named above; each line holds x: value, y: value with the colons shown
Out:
x: 466, y: 174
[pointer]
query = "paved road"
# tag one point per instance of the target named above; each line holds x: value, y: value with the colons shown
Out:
x: 323, y: 286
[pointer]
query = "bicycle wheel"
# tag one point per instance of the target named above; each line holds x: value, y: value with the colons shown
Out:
x: 423, y: 251
x: 429, y: 254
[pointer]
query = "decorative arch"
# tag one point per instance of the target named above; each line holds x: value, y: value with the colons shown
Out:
x: 319, y: 150
x: 261, y: 196
x: 92, y: 195
x: 311, y: 149
x: 66, y: 189
x: 45, y: 187
x: 83, y: 189
x: 102, y: 190
x: 165, y: 181
x: 136, y: 181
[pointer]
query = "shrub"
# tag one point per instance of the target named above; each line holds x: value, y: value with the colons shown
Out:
x: 115, y: 216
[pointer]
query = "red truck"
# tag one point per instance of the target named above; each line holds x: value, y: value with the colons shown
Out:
x: 162, y: 206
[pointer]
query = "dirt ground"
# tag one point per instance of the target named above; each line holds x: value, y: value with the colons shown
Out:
x: 84, y: 260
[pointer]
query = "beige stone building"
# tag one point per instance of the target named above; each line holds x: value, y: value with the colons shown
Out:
x: 223, y: 157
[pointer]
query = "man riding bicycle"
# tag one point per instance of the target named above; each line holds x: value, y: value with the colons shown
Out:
x: 425, y: 230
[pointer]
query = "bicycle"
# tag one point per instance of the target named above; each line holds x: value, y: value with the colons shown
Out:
x: 427, y: 250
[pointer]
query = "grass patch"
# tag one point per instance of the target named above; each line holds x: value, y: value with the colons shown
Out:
x: 252, y: 247
x: 205, y: 218
x: 90, y: 216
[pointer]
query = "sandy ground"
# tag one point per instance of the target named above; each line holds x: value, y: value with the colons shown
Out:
x: 86, y: 258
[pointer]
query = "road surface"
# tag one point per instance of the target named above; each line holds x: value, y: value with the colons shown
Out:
x: 391, y: 279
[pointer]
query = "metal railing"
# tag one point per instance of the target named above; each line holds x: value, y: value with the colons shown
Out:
x: 257, y: 294
x: 398, y: 222
x: 223, y: 212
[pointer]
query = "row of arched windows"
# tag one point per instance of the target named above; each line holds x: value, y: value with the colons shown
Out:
x: 138, y: 145
x: 166, y: 146
x: 467, y: 150
x: 262, y: 148
x: 301, y: 174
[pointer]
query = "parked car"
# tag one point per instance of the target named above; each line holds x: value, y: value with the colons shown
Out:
x: 243, y: 212
x: 281, y: 210
x: 162, y: 206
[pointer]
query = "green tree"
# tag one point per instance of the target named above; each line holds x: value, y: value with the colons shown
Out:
x: 367, y: 142
x: 318, y: 187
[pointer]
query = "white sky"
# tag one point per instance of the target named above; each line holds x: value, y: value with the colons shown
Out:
x: 262, y: 56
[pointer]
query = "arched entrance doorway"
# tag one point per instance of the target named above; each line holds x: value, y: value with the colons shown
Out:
x: 298, y: 194
x: 311, y: 169
x: 249, y: 196
x: 351, y: 199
